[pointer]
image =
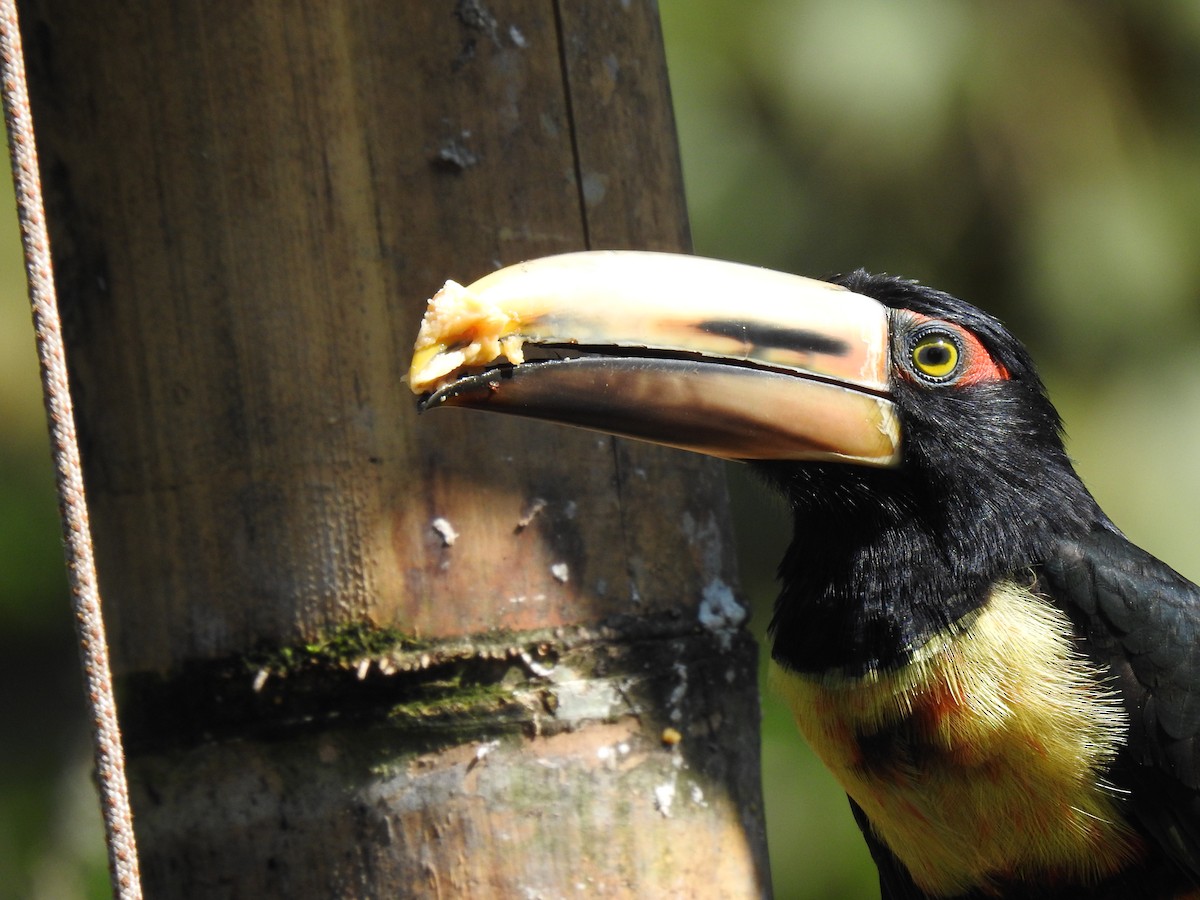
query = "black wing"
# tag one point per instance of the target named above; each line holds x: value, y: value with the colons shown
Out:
x: 1142, y: 618
x: 894, y: 881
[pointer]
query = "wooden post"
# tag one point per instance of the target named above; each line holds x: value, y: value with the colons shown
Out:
x: 361, y: 654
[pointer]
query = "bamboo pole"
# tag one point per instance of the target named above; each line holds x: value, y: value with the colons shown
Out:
x: 362, y: 654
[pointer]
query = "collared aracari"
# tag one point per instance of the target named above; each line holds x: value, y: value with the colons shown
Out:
x: 1006, y: 687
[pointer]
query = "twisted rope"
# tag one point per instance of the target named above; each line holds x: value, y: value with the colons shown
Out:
x: 81, y: 569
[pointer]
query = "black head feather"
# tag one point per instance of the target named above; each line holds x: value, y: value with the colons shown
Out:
x: 884, y: 559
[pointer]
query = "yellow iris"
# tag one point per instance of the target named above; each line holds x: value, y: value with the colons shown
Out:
x: 935, y: 356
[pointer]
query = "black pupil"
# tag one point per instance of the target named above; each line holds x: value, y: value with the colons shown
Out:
x: 936, y: 355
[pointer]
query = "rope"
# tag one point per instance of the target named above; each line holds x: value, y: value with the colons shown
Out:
x: 81, y: 569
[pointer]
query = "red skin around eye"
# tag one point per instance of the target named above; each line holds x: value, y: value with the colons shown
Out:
x: 980, y: 368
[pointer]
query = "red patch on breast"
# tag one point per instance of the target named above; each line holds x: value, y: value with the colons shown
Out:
x: 935, y: 708
x: 936, y: 703
x: 921, y: 740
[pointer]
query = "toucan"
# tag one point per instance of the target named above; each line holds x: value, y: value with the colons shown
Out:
x: 1005, y: 686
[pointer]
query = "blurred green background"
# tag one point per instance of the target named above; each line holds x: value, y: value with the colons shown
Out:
x: 1038, y: 157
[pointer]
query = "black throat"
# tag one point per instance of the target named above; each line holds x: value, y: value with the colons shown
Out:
x: 884, y: 560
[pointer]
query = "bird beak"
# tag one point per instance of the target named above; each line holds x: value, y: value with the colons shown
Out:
x: 725, y: 359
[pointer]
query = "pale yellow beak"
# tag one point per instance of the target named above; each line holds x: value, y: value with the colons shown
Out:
x: 720, y: 358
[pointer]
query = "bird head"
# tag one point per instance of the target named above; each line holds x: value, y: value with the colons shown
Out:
x: 908, y: 431
x: 883, y: 559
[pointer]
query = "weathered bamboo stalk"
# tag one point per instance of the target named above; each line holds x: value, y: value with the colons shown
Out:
x: 365, y: 655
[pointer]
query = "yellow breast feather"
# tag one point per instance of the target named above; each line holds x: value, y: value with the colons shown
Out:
x: 982, y: 761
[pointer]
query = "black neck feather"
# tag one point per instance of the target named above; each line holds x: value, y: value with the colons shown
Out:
x: 884, y: 560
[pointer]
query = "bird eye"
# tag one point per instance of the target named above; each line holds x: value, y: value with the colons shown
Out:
x: 935, y: 355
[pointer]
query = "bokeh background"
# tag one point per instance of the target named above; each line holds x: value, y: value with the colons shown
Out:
x: 1038, y: 157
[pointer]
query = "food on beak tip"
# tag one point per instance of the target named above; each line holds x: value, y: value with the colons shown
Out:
x: 459, y: 330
